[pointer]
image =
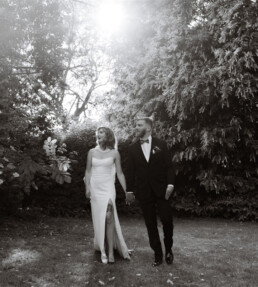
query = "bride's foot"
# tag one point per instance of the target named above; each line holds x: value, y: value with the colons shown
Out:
x: 104, y: 258
x: 111, y: 259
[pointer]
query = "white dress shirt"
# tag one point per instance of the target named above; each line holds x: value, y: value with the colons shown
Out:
x: 146, y: 148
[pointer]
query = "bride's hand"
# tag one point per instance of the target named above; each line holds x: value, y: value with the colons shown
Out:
x: 88, y: 194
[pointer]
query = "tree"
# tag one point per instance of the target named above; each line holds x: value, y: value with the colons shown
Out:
x: 31, y: 64
x: 86, y: 67
x: 197, y: 71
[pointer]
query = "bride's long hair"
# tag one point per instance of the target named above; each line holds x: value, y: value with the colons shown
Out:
x: 109, y: 140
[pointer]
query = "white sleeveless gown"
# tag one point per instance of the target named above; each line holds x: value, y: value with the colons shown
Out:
x: 102, y: 186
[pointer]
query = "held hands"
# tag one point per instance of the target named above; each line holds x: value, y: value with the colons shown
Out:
x: 87, y: 194
x: 129, y: 197
x: 169, y: 191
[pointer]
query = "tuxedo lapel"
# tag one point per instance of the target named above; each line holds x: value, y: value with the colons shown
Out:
x: 140, y: 152
x: 152, y: 145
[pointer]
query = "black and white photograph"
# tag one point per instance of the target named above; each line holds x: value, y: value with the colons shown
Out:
x: 128, y: 143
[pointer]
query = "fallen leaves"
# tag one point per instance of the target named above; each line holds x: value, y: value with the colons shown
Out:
x: 103, y: 283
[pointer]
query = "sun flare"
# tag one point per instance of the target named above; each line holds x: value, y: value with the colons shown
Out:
x: 110, y: 17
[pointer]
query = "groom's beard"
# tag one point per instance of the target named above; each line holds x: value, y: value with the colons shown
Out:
x: 141, y: 134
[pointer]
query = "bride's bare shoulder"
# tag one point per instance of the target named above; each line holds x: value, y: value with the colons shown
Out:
x: 116, y: 153
x: 92, y: 150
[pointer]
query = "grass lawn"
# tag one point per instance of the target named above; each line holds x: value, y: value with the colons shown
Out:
x: 58, y: 252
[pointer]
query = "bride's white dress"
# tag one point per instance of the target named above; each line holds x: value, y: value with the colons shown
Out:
x: 102, y: 186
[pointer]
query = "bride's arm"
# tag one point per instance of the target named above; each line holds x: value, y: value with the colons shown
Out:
x: 119, y: 171
x: 88, y: 174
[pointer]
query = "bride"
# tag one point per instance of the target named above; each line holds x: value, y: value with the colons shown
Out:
x: 103, y: 162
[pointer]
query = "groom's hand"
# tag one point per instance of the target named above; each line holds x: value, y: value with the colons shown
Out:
x: 88, y: 194
x: 129, y: 197
x: 169, y: 191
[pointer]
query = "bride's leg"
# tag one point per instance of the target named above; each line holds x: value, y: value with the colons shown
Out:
x: 110, y: 228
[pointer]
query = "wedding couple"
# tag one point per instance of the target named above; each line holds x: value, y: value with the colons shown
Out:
x: 150, y: 178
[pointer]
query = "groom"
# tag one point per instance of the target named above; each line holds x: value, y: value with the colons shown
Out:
x: 151, y: 178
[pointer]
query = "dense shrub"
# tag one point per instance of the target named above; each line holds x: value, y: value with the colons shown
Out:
x: 190, y: 199
x: 25, y: 174
x: 69, y: 199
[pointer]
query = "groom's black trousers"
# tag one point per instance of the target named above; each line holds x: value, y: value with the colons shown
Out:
x: 150, y: 207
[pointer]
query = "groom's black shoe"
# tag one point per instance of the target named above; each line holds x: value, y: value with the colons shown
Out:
x: 169, y: 257
x: 157, y: 262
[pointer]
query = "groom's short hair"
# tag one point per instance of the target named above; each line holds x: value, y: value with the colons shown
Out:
x: 147, y: 120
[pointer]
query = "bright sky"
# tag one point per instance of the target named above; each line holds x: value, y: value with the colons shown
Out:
x: 110, y: 19
x: 110, y: 16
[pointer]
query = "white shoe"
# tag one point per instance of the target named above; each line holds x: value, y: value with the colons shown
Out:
x: 104, y: 258
x: 111, y: 259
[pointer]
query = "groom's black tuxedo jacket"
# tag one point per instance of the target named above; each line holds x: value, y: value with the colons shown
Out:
x: 146, y: 179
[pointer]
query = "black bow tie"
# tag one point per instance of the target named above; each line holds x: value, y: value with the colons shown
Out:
x: 144, y: 141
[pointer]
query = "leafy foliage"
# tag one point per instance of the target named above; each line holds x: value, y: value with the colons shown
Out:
x: 191, y: 64
x: 20, y: 171
x: 31, y: 65
x: 196, y: 71
x: 26, y: 166
x: 59, y: 164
